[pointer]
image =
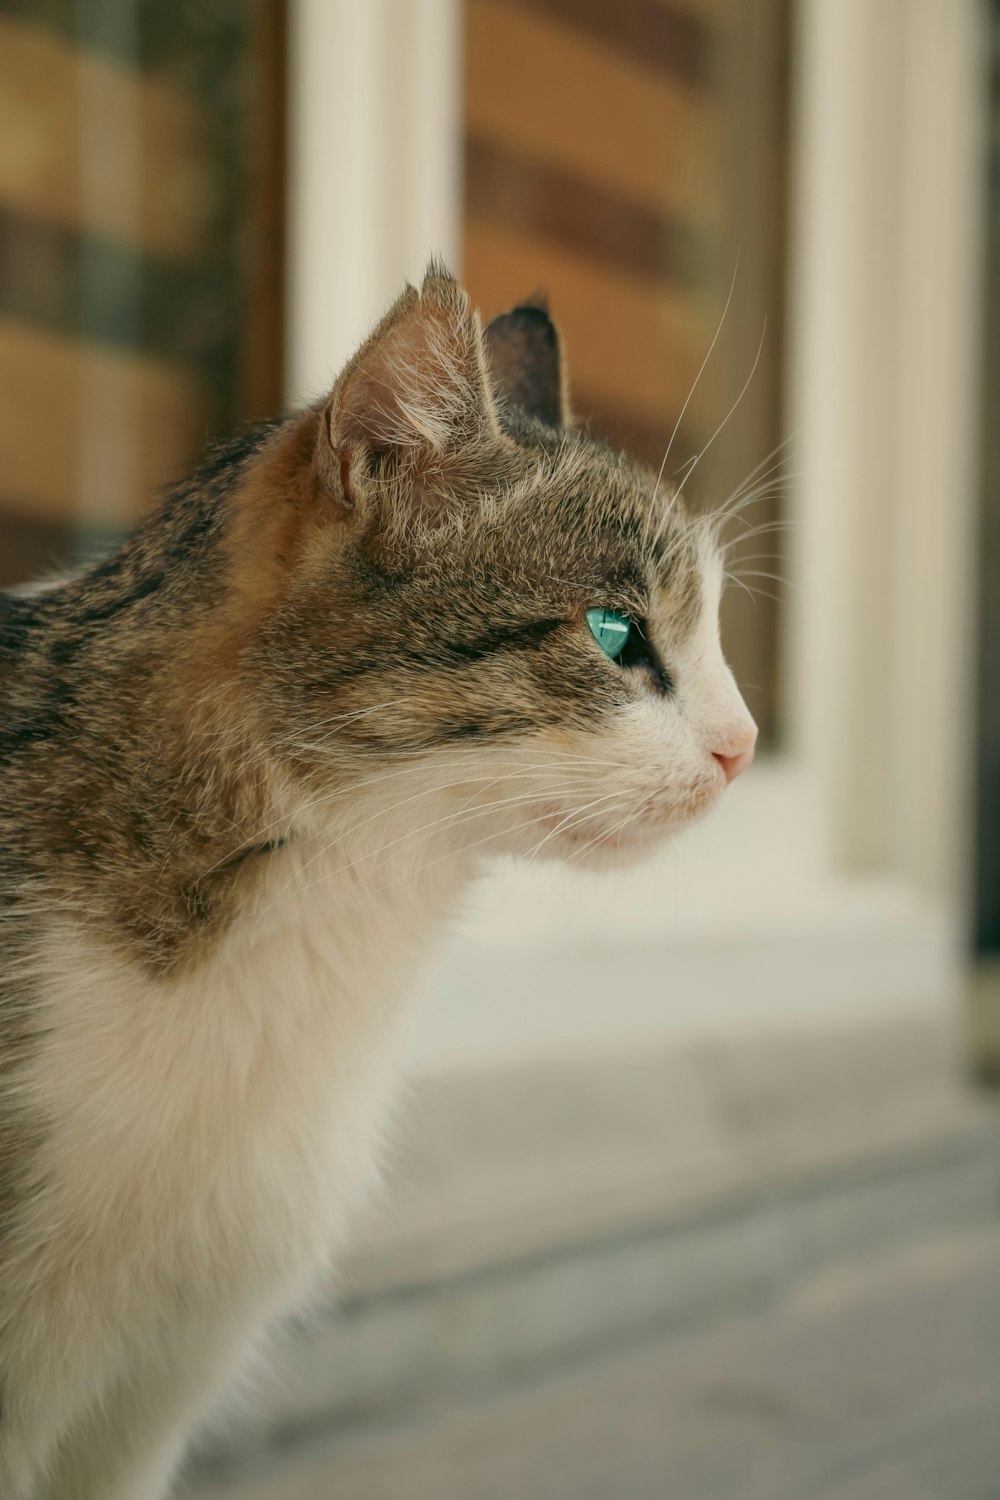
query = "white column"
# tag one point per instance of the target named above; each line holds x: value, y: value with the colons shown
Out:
x: 886, y: 209
x: 936, y: 442
x: 374, y: 187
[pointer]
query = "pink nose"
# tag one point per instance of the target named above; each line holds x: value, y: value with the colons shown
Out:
x: 734, y: 764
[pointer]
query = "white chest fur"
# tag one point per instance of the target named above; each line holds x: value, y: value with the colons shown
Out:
x: 219, y: 1128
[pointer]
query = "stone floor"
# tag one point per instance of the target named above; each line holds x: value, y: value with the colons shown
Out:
x: 746, y: 1268
x: 878, y: 1379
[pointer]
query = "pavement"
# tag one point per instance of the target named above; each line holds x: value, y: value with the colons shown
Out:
x: 877, y: 1379
x: 749, y: 1267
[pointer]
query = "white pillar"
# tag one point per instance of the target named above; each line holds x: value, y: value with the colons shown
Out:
x: 939, y: 402
x: 375, y: 157
x: 887, y: 191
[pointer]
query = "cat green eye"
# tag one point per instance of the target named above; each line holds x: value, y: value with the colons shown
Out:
x: 610, y: 630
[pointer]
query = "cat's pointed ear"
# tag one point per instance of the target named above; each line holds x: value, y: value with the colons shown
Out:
x: 417, y: 390
x: 527, y: 366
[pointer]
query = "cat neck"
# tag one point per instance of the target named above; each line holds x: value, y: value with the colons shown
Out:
x: 343, y: 907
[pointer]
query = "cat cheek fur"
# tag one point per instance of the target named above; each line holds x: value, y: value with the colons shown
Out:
x: 617, y: 794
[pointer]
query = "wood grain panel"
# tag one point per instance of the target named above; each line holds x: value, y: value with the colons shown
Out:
x: 53, y: 393
x: 166, y: 204
x: 620, y: 125
x: 506, y: 187
x: 106, y: 292
x: 636, y: 342
x: 659, y: 33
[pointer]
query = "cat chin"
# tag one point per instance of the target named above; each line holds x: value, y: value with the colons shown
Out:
x: 616, y: 854
x: 608, y: 852
x: 602, y: 857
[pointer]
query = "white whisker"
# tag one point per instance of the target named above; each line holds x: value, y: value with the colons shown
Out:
x: 694, y: 383
x: 729, y: 413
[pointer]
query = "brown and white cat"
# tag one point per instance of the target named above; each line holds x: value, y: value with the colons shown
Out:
x: 249, y: 763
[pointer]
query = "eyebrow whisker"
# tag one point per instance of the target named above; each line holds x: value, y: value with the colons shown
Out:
x: 694, y: 383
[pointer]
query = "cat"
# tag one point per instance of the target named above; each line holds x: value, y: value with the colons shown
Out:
x: 250, y: 762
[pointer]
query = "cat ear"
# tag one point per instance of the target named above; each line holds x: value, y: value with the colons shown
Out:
x: 526, y: 362
x: 417, y: 389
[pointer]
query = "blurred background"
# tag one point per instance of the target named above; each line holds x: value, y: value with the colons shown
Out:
x: 694, y: 1192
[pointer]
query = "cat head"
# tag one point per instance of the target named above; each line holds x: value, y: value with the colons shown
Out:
x: 494, y: 621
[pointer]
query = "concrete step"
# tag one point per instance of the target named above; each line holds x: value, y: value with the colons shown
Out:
x: 875, y: 1380
x: 548, y: 1217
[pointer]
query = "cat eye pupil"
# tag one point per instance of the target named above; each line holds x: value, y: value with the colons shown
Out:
x: 610, y: 630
